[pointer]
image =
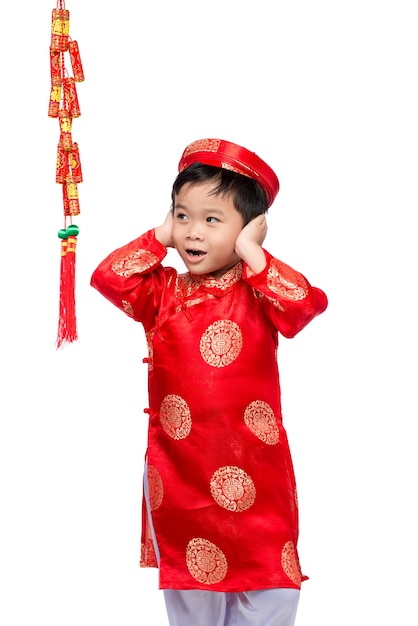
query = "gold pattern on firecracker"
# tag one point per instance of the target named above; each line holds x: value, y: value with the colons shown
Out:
x: 70, y: 96
x: 60, y: 29
x: 65, y: 127
x: 54, y: 100
x: 62, y: 170
x: 72, y: 195
x: 75, y: 164
x: 75, y: 59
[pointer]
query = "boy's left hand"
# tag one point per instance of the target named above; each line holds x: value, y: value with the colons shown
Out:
x: 249, y: 241
x: 254, y: 232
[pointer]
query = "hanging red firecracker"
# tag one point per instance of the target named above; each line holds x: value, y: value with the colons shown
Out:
x: 76, y: 61
x: 64, y: 105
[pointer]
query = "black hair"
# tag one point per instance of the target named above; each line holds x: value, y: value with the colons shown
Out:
x: 247, y: 195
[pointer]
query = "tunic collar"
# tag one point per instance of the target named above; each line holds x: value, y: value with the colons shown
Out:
x: 190, y: 283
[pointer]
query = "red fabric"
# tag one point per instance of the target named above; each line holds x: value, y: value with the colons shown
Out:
x: 221, y: 481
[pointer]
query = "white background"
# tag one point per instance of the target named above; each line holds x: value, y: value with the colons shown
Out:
x: 325, y: 92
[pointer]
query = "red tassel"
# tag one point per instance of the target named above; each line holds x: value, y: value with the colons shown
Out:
x: 67, y: 325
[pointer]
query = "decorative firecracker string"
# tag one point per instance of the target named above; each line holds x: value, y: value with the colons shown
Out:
x: 64, y: 105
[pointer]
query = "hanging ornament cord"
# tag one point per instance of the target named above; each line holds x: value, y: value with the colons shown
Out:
x: 64, y: 106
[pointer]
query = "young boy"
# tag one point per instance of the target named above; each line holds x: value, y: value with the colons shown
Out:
x: 220, y: 512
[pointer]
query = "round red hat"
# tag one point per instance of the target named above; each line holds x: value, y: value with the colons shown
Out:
x: 231, y: 156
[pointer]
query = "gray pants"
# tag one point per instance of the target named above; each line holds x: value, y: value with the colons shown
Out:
x: 267, y: 607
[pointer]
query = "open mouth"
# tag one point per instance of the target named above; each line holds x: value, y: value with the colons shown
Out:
x: 196, y: 253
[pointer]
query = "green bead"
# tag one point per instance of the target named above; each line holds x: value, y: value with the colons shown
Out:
x: 72, y: 230
x: 62, y: 234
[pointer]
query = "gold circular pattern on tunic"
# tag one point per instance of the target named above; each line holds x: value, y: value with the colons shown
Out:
x: 134, y: 262
x: 205, y: 561
x: 155, y: 487
x: 260, y: 419
x: 221, y: 343
x: 290, y: 563
x: 293, y: 287
x: 232, y: 489
x: 175, y: 416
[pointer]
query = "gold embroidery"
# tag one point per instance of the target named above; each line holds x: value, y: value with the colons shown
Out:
x: 128, y: 308
x: 221, y: 343
x: 205, y: 561
x: 135, y: 262
x: 175, y: 417
x: 290, y: 563
x: 187, y: 284
x: 148, y: 556
x: 149, y: 337
x: 260, y: 419
x: 224, y: 282
x: 292, y: 286
x: 227, y: 166
x: 243, y: 169
x: 232, y: 489
x: 203, y: 145
x: 274, y: 301
x: 155, y: 487
x: 207, y: 296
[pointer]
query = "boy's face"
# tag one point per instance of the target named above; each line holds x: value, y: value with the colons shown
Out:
x: 205, y: 229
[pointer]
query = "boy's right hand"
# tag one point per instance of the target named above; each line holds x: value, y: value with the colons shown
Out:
x: 164, y: 233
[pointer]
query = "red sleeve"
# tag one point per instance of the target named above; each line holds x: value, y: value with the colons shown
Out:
x: 290, y: 301
x: 131, y: 277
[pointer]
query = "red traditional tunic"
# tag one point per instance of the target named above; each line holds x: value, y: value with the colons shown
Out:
x: 221, y: 484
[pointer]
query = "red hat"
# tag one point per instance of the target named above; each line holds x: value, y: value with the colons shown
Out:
x: 230, y: 156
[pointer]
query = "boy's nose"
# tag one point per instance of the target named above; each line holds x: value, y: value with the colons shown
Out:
x: 194, y: 233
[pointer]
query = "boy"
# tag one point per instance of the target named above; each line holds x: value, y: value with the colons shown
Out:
x: 220, y: 515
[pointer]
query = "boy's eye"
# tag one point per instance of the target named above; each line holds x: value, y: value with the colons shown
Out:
x: 212, y: 219
x: 181, y: 216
